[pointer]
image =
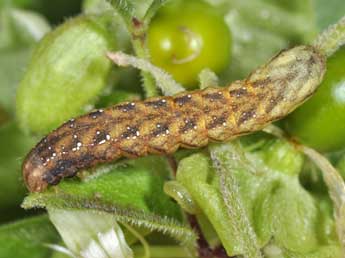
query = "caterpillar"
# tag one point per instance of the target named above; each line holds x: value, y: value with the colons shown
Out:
x: 160, y: 125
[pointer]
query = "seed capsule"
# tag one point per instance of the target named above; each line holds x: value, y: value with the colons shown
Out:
x: 67, y: 70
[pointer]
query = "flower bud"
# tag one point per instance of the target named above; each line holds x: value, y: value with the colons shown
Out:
x: 67, y: 71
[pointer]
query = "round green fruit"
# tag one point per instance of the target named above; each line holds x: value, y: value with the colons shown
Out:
x: 320, y: 122
x: 187, y: 36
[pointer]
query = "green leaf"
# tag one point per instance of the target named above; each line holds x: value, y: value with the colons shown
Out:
x: 125, y: 8
x: 328, y: 12
x: 289, y: 213
x: 27, y: 238
x: 21, y: 28
x: 140, y: 9
x: 325, y: 251
x: 261, y: 28
x: 12, y: 64
x: 195, y: 173
x: 133, y: 193
x: 14, y: 146
x: 269, y: 199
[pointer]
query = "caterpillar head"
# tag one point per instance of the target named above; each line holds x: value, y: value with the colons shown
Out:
x: 33, y: 172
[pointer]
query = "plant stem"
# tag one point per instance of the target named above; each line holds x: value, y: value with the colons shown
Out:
x: 137, y: 30
x: 331, y: 39
x: 151, y: 11
x: 164, y: 80
x: 234, y: 204
x: 138, y: 42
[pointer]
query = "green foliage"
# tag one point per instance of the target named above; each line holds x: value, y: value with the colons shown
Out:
x: 271, y: 203
x: 319, y: 122
x: 16, y: 145
x: 19, y: 31
x: 133, y: 192
x: 246, y: 195
x: 21, y: 28
x: 12, y: 65
x: 61, y: 67
x: 262, y: 28
x: 27, y: 238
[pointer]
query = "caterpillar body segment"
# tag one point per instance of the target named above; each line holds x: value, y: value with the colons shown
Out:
x: 161, y: 125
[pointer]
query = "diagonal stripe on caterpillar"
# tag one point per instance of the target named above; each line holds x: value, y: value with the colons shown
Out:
x: 161, y: 125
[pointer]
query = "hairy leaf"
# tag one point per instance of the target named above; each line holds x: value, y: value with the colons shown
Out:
x: 27, y: 238
x: 132, y: 192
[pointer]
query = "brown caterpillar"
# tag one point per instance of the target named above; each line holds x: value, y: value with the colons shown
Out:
x: 161, y: 125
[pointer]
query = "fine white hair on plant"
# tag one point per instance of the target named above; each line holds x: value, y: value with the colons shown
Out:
x: 331, y: 39
x: 164, y: 80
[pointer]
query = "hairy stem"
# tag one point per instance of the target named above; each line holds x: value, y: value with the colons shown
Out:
x: 233, y: 202
x: 336, y: 188
x: 331, y: 39
x: 138, y: 42
x: 164, y: 80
